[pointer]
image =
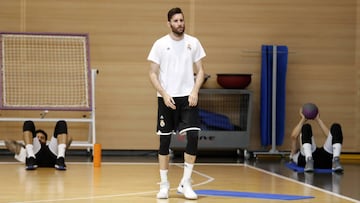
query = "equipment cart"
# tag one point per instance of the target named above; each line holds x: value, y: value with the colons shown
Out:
x: 225, y: 121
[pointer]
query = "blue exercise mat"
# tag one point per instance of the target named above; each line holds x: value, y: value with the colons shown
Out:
x: 237, y: 194
x: 215, y: 120
x: 299, y: 169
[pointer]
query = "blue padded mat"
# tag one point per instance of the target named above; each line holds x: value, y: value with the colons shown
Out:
x: 225, y: 193
x: 266, y: 94
x: 215, y: 120
x: 299, y: 169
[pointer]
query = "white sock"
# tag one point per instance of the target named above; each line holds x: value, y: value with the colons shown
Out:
x: 61, y: 150
x: 29, y: 150
x: 336, y: 149
x: 188, y: 168
x: 307, y: 150
x: 163, y: 175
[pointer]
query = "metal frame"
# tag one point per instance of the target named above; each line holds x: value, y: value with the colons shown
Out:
x: 89, y: 144
x: 88, y: 70
x: 221, y: 140
x: 273, y: 150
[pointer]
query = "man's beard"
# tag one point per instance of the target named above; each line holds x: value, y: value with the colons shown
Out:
x: 176, y: 32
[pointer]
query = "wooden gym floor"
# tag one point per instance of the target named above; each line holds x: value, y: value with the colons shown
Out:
x: 133, y: 177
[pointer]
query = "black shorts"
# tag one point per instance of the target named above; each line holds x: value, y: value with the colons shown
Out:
x: 322, y: 159
x: 45, y: 158
x: 182, y: 119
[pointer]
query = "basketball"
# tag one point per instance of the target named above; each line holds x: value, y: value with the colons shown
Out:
x: 310, y: 110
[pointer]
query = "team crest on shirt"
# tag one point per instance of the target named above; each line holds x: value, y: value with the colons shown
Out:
x: 189, y: 47
x: 162, y: 122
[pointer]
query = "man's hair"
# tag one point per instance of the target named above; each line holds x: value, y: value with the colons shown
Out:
x: 43, y: 132
x: 173, y: 11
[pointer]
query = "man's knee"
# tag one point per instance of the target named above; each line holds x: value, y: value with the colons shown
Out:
x: 60, y: 128
x: 164, y: 144
x: 29, y: 126
x: 306, y: 133
x: 336, y: 132
x: 192, y: 142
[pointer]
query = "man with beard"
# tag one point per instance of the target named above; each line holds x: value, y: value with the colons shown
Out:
x: 172, y: 60
x: 37, y: 152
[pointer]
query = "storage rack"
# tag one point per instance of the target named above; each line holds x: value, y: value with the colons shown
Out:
x: 234, y: 105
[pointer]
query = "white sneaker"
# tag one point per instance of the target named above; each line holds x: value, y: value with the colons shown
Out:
x: 164, y: 190
x: 186, y: 189
x: 309, y: 166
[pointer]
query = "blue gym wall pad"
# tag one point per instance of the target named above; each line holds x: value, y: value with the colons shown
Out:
x: 267, y: 94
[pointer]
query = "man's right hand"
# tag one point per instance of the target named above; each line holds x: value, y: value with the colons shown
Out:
x: 169, y: 101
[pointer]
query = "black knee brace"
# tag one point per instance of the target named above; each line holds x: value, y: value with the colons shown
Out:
x: 336, y: 132
x: 60, y: 128
x: 164, y: 144
x: 29, y: 126
x: 192, y: 142
x: 306, y: 134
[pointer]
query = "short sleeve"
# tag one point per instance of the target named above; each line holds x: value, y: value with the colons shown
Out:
x: 199, y: 51
x: 154, y: 54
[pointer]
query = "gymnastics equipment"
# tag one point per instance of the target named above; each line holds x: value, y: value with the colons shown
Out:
x: 272, y: 119
x: 47, y: 72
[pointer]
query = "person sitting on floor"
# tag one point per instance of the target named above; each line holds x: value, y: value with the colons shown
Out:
x: 309, y: 155
x: 37, y: 152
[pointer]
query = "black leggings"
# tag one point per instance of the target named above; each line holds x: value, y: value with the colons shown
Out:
x: 191, y: 145
x: 335, y: 129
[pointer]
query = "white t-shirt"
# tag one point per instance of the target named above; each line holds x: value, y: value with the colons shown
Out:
x: 176, y: 60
